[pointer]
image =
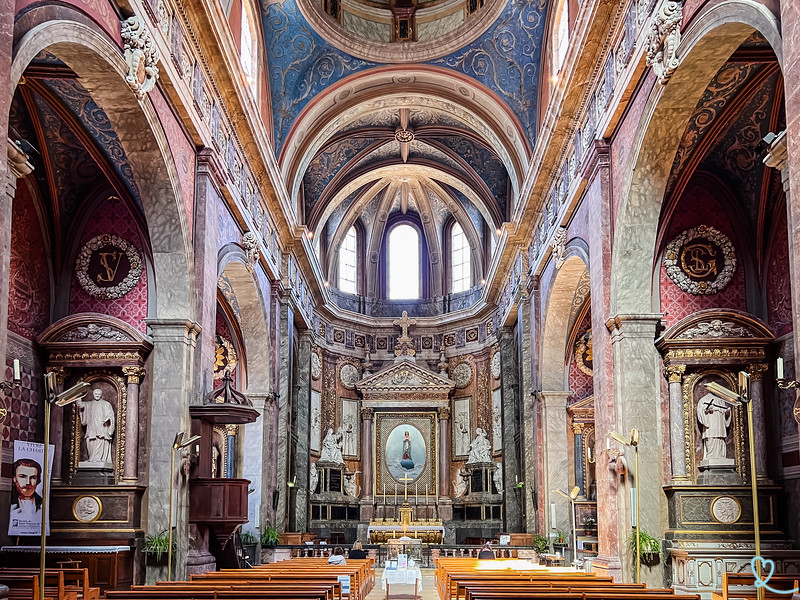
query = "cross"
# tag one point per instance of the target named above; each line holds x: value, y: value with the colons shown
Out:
x: 404, y: 323
x: 406, y: 479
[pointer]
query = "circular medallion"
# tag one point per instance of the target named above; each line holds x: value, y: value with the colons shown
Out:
x: 348, y: 375
x: 225, y: 358
x: 725, y: 509
x: 462, y: 374
x: 496, y: 365
x: 583, y: 353
x: 108, y: 267
x: 87, y: 509
x: 701, y: 260
x: 316, y: 365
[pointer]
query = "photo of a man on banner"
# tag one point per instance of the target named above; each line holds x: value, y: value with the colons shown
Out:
x: 25, y: 517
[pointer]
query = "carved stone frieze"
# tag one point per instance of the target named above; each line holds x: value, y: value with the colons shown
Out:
x: 250, y: 245
x: 663, y: 39
x: 94, y: 333
x: 715, y: 328
x: 560, y: 246
x: 141, y: 55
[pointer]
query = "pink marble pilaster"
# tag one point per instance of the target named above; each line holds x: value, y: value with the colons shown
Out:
x: 133, y: 376
x: 366, y: 451
x: 444, y: 451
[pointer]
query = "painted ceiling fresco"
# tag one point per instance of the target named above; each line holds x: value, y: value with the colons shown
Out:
x: 302, y: 64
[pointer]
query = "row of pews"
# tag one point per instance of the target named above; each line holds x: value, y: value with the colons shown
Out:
x: 470, y: 579
x: 59, y: 584
x: 295, y: 579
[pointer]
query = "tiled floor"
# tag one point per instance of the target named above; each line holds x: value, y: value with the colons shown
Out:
x: 397, y: 591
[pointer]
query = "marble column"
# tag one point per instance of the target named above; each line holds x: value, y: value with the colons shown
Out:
x: 528, y: 423
x: 677, y: 435
x: 133, y: 377
x: 17, y: 167
x: 510, y: 399
x: 283, y: 435
x: 637, y: 373
x: 255, y: 457
x: 759, y: 420
x: 444, y: 451
x: 172, y: 385
x: 367, y: 453
x: 57, y: 426
x: 301, y: 453
x: 577, y: 439
x: 555, y: 456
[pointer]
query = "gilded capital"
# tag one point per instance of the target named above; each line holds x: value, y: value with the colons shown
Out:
x: 133, y: 374
x: 757, y: 371
x: 674, y: 373
x: 61, y: 373
x: 444, y: 412
x: 367, y: 412
x: 577, y: 428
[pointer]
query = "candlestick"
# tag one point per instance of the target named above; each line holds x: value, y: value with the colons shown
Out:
x: 780, y: 368
x: 416, y: 491
x: 384, y: 494
x: 17, y: 375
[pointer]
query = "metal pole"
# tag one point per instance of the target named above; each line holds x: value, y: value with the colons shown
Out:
x: 43, y: 550
x: 574, y: 534
x: 638, y: 554
x: 171, y: 494
x: 754, y: 489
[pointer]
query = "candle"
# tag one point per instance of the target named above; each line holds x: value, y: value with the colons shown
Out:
x: 384, y: 494
x: 395, y: 494
x: 780, y: 367
x: 416, y: 489
x: 608, y: 443
x: 17, y: 375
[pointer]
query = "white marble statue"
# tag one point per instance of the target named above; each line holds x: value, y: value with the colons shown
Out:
x: 714, y: 415
x: 480, y: 450
x: 462, y: 433
x: 313, y: 478
x: 348, y: 430
x: 461, y: 482
x: 498, y: 477
x: 332, y: 448
x: 98, y: 417
x: 350, y: 486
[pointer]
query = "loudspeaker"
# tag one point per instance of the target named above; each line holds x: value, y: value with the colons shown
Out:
x: 275, y: 495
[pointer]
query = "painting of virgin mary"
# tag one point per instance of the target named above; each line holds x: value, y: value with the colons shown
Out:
x: 405, y: 452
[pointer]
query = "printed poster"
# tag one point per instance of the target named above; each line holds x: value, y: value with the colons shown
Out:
x: 25, y: 517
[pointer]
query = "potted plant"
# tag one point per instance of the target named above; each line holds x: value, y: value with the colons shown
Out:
x: 589, y: 523
x: 649, y: 547
x: 250, y: 544
x: 269, y: 537
x: 156, y: 548
x: 540, y: 544
x: 560, y: 540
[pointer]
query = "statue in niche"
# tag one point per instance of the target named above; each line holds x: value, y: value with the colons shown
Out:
x: 498, y: 477
x: 350, y: 486
x: 461, y: 482
x: 714, y: 415
x: 462, y: 433
x: 348, y: 432
x: 332, y: 447
x: 313, y: 478
x: 480, y: 450
x: 97, y: 416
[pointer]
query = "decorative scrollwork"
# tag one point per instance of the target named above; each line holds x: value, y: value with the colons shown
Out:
x: 692, y: 260
x: 141, y: 55
x: 110, y: 252
x: 663, y: 39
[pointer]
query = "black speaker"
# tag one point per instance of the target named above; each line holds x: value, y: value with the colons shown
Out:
x: 275, y: 495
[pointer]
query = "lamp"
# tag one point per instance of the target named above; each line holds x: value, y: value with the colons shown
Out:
x: 633, y: 441
x: 785, y: 384
x: 743, y: 396
x: 63, y: 399
x: 178, y: 443
x: 573, y: 493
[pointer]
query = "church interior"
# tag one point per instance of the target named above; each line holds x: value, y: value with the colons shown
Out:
x: 282, y: 280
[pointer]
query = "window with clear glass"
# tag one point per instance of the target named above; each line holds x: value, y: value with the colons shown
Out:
x: 403, y: 267
x: 461, y: 272
x: 348, y: 262
x: 247, y: 55
x: 560, y: 36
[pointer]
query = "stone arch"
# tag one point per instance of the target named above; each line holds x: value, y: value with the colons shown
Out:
x: 708, y: 42
x: 553, y: 373
x: 232, y: 263
x: 101, y: 68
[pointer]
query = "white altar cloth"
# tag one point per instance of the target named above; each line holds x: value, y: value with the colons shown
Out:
x: 407, y: 576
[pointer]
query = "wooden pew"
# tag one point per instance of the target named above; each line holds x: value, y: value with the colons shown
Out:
x: 25, y: 586
x: 75, y: 579
x: 745, y: 584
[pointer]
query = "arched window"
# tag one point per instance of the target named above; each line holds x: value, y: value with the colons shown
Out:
x: 348, y: 263
x: 404, y: 274
x: 461, y: 267
x: 560, y: 35
x: 248, y: 55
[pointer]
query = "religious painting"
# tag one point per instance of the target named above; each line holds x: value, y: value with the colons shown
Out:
x: 497, y: 420
x: 316, y: 421
x: 462, y: 427
x: 405, y: 453
x: 348, y: 426
x: 715, y: 427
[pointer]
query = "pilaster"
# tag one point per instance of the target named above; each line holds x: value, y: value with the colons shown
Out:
x: 510, y: 399
x: 301, y: 453
x: 555, y: 455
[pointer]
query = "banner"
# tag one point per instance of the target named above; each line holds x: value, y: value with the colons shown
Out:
x: 26, y: 489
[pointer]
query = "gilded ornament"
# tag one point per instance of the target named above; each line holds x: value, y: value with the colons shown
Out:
x: 584, y: 354
x: 108, y: 267
x: 700, y: 261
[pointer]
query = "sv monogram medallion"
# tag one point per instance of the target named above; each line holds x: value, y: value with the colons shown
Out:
x: 108, y: 267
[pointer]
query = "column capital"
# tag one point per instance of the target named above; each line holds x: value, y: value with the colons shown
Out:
x: 367, y: 412
x: 577, y: 428
x: 778, y: 153
x: 757, y: 371
x: 61, y: 373
x: 134, y: 374
x: 674, y: 373
x: 554, y: 399
x: 444, y: 412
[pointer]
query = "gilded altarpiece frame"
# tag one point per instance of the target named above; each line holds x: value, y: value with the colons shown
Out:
x: 119, y: 401
x: 425, y: 423
x: 693, y: 390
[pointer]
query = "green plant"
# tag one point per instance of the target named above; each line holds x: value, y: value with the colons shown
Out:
x: 589, y: 522
x: 248, y: 538
x: 649, y: 547
x: 269, y: 537
x: 540, y: 543
x: 561, y: 538
x: 158, y: 544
